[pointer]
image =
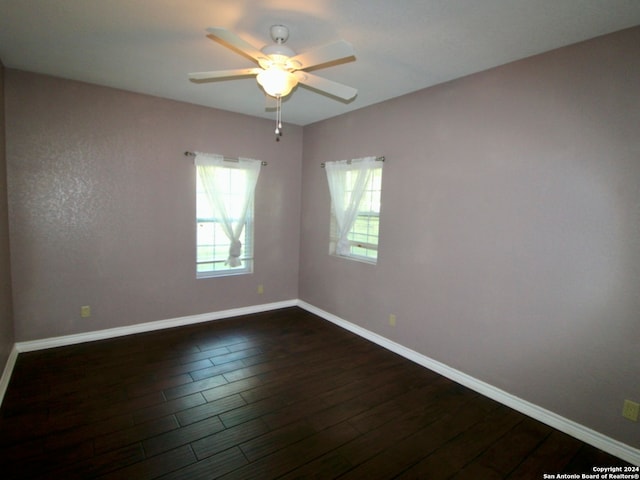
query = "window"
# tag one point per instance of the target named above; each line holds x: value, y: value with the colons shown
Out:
x: 224, y: 215
x: 355, y: 188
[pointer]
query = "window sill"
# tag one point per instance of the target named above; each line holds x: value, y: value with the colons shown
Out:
x: 366, y: 260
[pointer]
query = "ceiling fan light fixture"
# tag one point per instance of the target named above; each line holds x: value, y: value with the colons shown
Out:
x: 276, y: 81
x: 280, y: 68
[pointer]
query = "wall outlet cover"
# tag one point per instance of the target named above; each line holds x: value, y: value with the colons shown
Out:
x: 631, y: 410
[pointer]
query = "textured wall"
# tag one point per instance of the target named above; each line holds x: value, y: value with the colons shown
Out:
x: 6, y: 320
x: 510, y: 228
x: 102, y: 206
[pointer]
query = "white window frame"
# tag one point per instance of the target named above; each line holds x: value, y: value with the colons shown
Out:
x: 363, y: 238
x: 220, y: 242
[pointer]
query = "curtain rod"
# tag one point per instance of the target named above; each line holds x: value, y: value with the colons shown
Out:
x: 378, y: 159
x: 226, y: 159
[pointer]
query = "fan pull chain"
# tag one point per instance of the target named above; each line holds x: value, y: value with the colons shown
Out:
x: 278, y: 117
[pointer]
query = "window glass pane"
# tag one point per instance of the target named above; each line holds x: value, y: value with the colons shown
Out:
x: 364, y: 234
x: 213, y: 244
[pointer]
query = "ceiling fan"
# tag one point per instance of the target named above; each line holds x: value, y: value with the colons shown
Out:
x: 280, y: 68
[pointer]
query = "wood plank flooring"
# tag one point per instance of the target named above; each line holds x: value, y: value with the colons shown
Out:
x: 282, y: 394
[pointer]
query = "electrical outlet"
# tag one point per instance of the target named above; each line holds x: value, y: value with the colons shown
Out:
x: 392, y: 320
x: 260, y: 289
x: 630, y: 410
x: 85, y: 311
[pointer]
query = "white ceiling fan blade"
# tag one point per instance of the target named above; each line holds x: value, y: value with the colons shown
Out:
x: 325, y: 54
x: 236, y: 42
x: 220, y: 74
x: 328, y: 86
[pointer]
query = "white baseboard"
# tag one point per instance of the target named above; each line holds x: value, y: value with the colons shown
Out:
x: 65, y: 340
x: 587, y: 435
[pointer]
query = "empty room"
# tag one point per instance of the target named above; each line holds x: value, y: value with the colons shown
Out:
x: 334, y: 239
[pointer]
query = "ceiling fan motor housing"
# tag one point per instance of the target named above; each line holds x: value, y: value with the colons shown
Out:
x: 278, y: 53
x: 278, y: 49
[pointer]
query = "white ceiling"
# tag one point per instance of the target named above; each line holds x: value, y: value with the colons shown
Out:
x: 149, y: 46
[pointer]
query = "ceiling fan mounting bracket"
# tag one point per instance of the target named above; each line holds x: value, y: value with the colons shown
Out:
x: 279, y: 33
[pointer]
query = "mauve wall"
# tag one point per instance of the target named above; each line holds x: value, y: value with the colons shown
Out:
x: 510, y: 230
x: 6, y: 321
x: 102, y: 206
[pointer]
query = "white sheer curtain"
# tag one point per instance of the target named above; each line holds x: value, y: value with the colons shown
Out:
x: 230, y: 210
x: 347, y: 181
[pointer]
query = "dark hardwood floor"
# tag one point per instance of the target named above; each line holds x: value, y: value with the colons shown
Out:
x: 282, y: 394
